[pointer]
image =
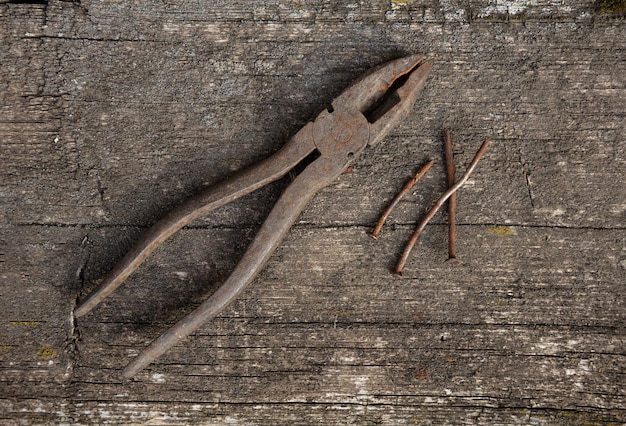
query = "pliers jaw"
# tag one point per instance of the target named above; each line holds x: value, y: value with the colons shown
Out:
x: 364, y: 113
x: 386, y: 94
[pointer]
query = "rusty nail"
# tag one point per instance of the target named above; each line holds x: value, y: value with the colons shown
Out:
x: 450, y: 171
x: 407, y: 187
x: 431, y: 213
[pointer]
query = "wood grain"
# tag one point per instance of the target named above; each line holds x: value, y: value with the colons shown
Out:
x: 112, y: 112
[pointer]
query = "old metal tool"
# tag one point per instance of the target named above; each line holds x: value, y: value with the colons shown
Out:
x: 361, y: 115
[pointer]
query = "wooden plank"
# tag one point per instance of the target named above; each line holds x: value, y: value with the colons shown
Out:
x: 112, y: 113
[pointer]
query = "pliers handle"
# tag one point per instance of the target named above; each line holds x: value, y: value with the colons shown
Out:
x: 362, y: 115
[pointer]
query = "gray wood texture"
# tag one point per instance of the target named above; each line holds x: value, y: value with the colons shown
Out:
x: 112, y: 112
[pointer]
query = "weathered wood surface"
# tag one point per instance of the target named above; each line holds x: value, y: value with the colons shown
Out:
x: 113, y: 111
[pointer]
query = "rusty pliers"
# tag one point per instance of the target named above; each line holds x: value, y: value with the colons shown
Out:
x: 361, y: 115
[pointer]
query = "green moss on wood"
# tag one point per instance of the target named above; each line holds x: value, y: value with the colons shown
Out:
x: 615, y: 8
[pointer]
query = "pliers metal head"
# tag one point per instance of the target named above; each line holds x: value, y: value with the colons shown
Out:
x: 361, y: 115
x: 386, y: 94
